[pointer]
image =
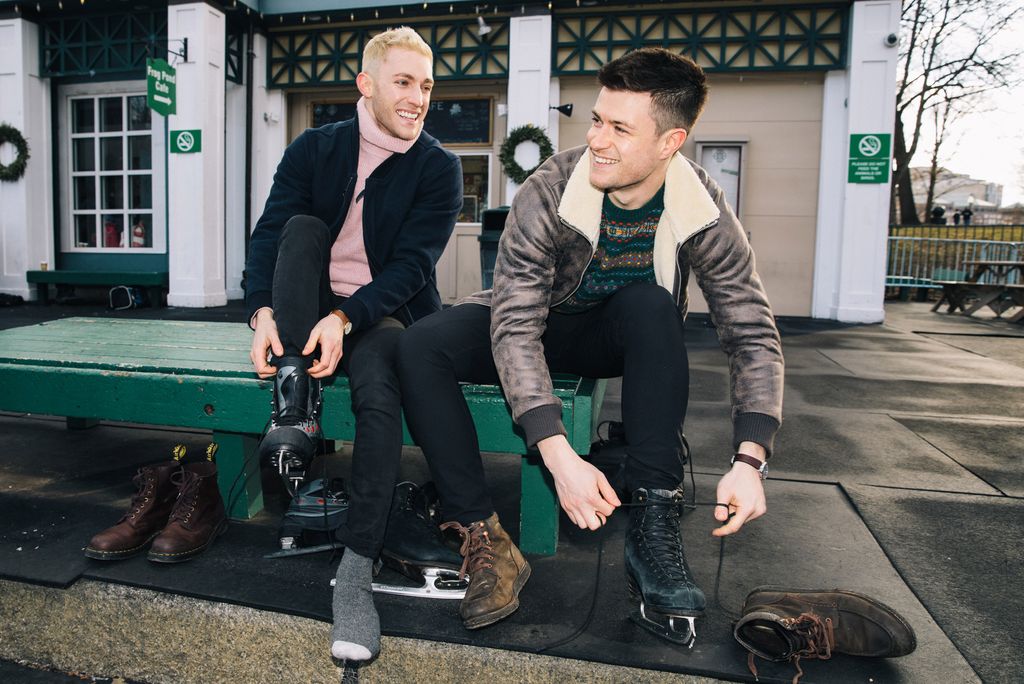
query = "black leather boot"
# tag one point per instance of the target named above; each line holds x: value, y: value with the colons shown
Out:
x: 670, y: 601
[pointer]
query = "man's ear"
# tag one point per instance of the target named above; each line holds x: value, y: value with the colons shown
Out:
x: 674, y: 140
x: 364, y: 82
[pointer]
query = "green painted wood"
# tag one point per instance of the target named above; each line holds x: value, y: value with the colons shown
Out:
x: 68, y: 277
x: 197, y: 375
x: 538, y: 513
x: 239, y: 474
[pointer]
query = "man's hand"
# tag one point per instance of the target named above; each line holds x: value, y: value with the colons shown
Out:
x: 328, y: 333
x: 583, y: 490
x: 264, y: 339
x: 742, y: 490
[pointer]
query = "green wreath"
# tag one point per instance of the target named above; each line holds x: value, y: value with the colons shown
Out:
x: 16, y: 169
x: 531, y: 133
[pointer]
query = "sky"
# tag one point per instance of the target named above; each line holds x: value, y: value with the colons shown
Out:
x: 989, y: 144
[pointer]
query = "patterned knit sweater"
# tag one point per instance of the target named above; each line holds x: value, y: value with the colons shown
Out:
x: 624, y: 255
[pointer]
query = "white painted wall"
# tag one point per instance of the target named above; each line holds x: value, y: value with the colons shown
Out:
x: 269, y: 130
x: 529, y: 74
x: 26, y: 205
x: 851, y: 246
x: 196, y: 198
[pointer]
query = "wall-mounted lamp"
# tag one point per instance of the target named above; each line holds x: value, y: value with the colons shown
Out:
x: 565, y: 109
x: 482, y: 29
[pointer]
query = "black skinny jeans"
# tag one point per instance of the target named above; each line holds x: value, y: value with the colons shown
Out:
x: 637, y: 333
x: 302, y: 296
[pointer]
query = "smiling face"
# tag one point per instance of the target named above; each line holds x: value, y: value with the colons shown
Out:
x: 397, y: 89
x: 628, y: 157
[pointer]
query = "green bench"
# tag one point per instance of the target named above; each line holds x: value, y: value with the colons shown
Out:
x: 155, y: 282
x: 198, y: 375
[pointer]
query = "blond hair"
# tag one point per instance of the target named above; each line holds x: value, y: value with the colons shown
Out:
x: 404, y: 37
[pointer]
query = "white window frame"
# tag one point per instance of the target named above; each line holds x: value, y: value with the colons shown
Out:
x: 157, y: 155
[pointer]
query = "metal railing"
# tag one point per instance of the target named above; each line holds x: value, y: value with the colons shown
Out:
x: 920, y: 261
x: 1002, y: 233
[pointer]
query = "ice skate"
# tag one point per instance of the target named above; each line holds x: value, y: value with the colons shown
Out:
x: 290, y: 442
x: 659, y: 577
x: 312, y: 518
x: 414, y: 546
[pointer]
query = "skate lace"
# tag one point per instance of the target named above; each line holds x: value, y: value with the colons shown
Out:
x: 188, y: 491
x: 477, y: 550
x: 664, y: 544
x: 818, y: 636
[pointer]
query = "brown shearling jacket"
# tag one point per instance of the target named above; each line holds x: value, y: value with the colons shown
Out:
x: 551, y: 235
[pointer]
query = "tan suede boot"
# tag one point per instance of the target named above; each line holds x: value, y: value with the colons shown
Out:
x: 147, y: 514
x: 497, y: 572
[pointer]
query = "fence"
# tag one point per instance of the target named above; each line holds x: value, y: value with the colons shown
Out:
x: 1002, y: 233
x: 920, y: 261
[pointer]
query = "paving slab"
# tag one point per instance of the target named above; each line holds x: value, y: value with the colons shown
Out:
x: 962, y: 555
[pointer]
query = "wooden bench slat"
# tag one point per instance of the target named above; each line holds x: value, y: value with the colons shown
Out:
x: 78, y: 277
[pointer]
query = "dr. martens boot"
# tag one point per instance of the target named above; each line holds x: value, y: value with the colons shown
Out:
x: 197, y: 518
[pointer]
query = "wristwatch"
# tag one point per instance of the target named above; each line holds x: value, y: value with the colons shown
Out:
x: 347, y: 324
x: 756, y: 463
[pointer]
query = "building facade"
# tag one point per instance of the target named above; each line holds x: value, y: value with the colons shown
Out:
x: 800, y: 93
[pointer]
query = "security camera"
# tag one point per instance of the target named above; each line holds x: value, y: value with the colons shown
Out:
x: 891, y: 40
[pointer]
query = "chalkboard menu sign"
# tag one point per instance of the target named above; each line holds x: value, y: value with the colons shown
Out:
x: 454, y: 122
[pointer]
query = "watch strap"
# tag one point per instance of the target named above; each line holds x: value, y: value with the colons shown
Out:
x: 346, y: 324
x: 755, y: 463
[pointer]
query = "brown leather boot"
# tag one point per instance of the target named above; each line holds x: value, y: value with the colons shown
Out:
x: 497, y: 572
x: 197, y: 519
x: 790, y: 624
x: 147, y: 515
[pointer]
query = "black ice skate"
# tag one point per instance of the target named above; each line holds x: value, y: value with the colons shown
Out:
x: 414, y: 546
x: 290, y: 442
x: 670, y: 601
x: 314, y: 515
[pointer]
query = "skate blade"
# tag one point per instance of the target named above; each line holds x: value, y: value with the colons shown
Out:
x: 679, y: 629
x: 438, y: 583
x: 302, y: 551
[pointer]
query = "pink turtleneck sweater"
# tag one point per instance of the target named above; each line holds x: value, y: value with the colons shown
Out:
x: 349, y: 267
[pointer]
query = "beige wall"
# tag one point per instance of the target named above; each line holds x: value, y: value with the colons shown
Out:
x: 779, y: 117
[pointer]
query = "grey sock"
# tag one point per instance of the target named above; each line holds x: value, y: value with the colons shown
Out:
x: 356, y: 632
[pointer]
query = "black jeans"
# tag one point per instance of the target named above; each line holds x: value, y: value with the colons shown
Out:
x: 637, y: 333
x: 302, y: 296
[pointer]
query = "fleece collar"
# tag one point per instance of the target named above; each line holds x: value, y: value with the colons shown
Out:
x: 688, y: 209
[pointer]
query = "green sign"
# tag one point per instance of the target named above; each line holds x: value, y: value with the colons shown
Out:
x: 184, y: 142
x: 870, y: 157
x: 160, y: 87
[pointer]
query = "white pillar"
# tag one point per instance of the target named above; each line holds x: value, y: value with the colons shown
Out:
x: 269, y: 130
x: 529, y: 79
x: 196, y: 202
x: 26, y: 205
x: 850, y: 282
x: 234, y: 186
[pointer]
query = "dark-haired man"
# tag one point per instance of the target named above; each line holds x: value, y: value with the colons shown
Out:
x: 591, y: 279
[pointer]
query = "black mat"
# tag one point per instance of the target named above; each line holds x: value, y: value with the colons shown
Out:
x: 962, y: 554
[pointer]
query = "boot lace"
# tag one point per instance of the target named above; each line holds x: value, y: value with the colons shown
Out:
x: 477, y: 550
x: 659, y: 530
x: 144, y: 482
x: 819, y: 639
x: 188, y: 491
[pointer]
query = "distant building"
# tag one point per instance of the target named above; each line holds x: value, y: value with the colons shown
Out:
x: 955, y: 191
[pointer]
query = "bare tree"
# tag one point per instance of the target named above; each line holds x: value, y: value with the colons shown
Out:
x: 948, y: 57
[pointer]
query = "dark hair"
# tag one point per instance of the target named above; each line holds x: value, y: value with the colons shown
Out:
x: 677, y: 84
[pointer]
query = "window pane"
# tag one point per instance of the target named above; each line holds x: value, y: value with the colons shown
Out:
x: 138, y: 113
x: 85, y: 193
x: 142, y: 230
x: 475, y: 185
x: 113, y: 192
x: 85, y: 154
x: 140, y: 152
x: 85, y: 231
x: 110, y: 154
x: 113, y: 230
x: 82, y: 113
x: 142, y: 193
x: 110, y: 114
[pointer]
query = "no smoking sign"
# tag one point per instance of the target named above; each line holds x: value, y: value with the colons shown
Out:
x: 869, y: 158
x: 187, y: 141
